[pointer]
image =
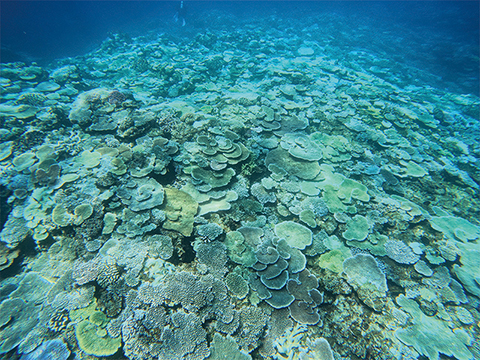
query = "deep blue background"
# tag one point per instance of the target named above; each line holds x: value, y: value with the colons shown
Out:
x: 444, y: 33
x: 51, y: 29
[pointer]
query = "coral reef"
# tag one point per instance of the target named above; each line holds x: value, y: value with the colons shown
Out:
x: 261, y: 190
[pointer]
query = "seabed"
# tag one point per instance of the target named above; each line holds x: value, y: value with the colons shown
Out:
x: 261, y: 190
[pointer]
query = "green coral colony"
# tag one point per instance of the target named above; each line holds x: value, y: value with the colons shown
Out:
x: 197, y: 202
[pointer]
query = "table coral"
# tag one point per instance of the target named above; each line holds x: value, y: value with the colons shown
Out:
x: 93, y: 339
x: 180, y: 209
x: 225, y: 348
x: 296, y: 235
x: 431, y: 336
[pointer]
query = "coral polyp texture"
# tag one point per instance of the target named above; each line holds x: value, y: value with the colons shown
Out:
x: 274, y: 189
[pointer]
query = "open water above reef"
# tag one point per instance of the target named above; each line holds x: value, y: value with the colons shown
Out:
x: 280, y: 180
